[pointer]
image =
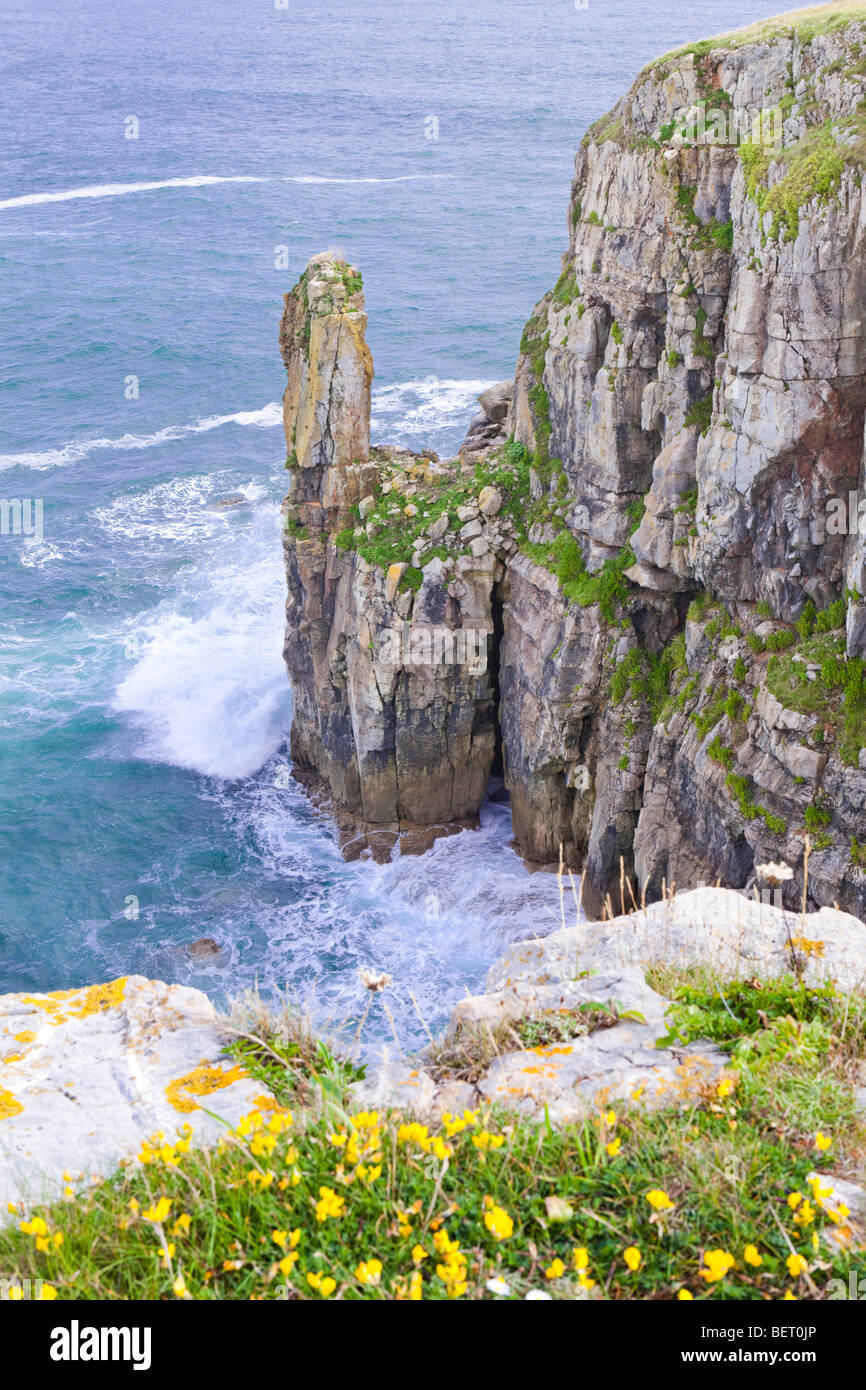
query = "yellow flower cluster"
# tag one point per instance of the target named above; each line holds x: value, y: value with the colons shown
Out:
x: 157, y: 1150
x: 323, y: 1283
x: 484, y: 1140
x: 716, y: 1265
x: 43, y: 1240
x: 452, y: 1266
x: 497, y: 1220
x: 417, y: 1134
x: 369, y: 1272
x: 659, y: 1200
x: 361, y: 1148
x: 329, y: 1204
x: 455, y: 1124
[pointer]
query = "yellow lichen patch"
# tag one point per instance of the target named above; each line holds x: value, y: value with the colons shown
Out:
x: 200, y: 1082
x: 48, y: 1003
x: 9, y: 1106
x: 27, y: 1036
x: 552, y: 1051
x: 809, y: 948
x: 266, y: 1103
x: 12, y: 1057
x: 98, y: 998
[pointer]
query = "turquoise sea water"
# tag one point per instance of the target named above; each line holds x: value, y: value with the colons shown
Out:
x: 144, y: 708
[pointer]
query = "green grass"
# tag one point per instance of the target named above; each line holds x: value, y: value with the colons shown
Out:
x: 728, y: 1014
x: 813, y: 170
x: 309, y: 1198
x: 641, y: 675
x: 701, y: 413
x: 838, y: 694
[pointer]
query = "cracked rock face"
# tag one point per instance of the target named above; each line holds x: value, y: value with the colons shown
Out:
x: 394, y: 710
x: 326, y: 405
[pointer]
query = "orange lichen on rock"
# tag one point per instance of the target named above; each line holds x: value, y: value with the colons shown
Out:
x: 93, y: 1000
x: 9, y: 1106
x: 200, y: 1082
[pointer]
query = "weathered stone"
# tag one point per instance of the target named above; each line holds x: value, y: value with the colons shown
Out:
x: 489, y: 501
x: 90, y: 1074
x: 496, y: 400
x: 326, y: 405
x: 732, y: 932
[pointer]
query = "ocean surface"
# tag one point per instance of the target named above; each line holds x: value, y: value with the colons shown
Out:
x: 166, y: 170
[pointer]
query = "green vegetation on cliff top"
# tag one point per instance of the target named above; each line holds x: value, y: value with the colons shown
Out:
x: 309, y: 1198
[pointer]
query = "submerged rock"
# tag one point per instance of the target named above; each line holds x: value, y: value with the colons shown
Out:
x: 228, y: 503
x: 203, y: 948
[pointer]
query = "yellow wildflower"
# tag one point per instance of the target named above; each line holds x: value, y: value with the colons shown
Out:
x: 484, y: 1140
x: 369, y: 1272
x: 498, y: 1222
x: 797, y: 1265
x: 329, y: 1204
x: 555, y: 1270
x: 659, y: 1200
x: 717, y: 1263
x: 36, y: 1227
x: 751, y: 1256
x: 632, y: 1257
x: 822, y: 1141
x: 614, y: 1147
x: 158, y: 1212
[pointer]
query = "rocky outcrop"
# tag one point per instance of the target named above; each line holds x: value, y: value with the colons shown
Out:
x: 675, y: 685
x: 326, y: 405
x: 596, y: 973
x: 488, y: 428
x: 395, y: 717
x: 87, y: 1076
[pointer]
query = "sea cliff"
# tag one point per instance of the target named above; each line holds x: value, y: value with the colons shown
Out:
x: 658, y: 539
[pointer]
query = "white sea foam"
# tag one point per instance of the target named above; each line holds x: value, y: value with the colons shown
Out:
x: 412, y: 409
x: 121, y: 190
x: 268, y: 417
x: 208, y: 688
x: 176, y: 510
x: 459, y: 905
x: 404, y: 410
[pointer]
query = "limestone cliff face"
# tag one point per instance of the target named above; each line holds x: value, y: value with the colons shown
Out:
x: 700, y: 369
x: 674, y: 682
x: 398, y: 744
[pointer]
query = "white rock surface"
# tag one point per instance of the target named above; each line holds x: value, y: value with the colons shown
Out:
x: 603, y: 963
x: 714, y: 926
x: 87, y: 1075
